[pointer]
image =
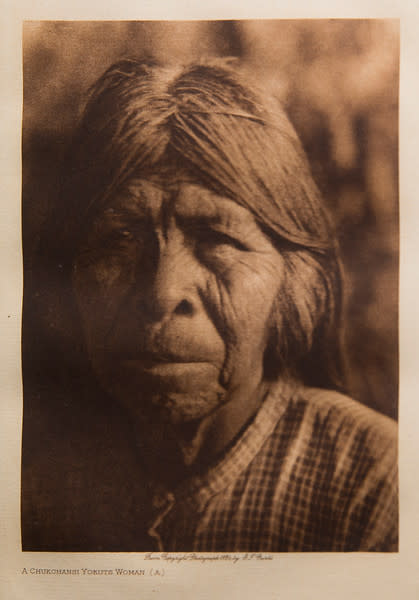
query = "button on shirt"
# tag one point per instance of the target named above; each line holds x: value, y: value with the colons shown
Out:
x: 314, y: 471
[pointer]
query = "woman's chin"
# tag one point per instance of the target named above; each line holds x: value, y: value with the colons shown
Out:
x: 178, y: 408
x: 166, y: 392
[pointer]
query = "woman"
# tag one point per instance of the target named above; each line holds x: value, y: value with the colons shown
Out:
x: 196, y: 256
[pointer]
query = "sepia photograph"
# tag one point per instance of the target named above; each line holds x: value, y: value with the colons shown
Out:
x: 210, y: 227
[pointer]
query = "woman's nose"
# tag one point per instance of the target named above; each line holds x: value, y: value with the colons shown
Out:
x: 173, y: 286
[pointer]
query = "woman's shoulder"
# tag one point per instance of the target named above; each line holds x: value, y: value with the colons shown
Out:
x: 335, y: 406
x: 345, y: 425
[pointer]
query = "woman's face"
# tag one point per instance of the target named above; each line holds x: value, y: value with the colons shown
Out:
x: 175, y: 286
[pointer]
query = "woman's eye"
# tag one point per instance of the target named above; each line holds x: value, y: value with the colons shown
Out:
x: 119, y: 236
x: 126, y: 234
x: 219, y: 238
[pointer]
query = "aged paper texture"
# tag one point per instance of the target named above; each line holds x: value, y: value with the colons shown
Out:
x: 36, y: 573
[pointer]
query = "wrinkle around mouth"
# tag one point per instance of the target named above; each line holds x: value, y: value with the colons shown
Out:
x: 163, y: 357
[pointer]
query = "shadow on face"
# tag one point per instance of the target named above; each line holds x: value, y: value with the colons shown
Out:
x: 175, y: 286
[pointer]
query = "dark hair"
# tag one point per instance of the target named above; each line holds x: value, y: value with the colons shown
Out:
x: 142, y: 118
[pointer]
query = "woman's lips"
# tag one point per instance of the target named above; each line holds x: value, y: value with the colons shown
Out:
x: 173, y: 375
x: 164, y: 366
x: 165, y: 356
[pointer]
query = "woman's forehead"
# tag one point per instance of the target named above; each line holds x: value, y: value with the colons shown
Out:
x: 183, y: 198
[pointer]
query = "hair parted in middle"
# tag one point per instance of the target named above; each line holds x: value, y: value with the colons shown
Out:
x: 205, y: 119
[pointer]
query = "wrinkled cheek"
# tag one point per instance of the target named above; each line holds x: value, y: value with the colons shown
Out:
x: 247, y: 311
x: 245, y: 353
x: 99, y: 298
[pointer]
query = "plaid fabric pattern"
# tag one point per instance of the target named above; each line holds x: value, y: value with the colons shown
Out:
x: 315, y: 471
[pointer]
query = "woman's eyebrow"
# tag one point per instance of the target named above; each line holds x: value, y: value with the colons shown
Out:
x: 200, y: 218
x: 217, y: 211
x: 113, y: 215
x: 140, y: 198
x: 238, y: 223
x: 132, y: 204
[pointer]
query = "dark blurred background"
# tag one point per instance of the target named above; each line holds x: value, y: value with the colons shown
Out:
x: 338, y: 79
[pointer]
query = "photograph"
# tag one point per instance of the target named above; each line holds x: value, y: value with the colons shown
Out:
x: 210, y: 232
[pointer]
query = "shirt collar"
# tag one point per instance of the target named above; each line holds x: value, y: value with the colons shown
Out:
x: 199, y: 489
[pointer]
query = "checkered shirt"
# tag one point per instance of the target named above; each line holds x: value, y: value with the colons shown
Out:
x: 315, y: 471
